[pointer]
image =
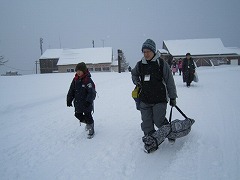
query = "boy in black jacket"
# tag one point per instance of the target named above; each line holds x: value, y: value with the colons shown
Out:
x: 82, y: 92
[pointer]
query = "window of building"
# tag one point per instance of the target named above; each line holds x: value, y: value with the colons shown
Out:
x: 90, y: 69
x: 70, y: 70
x: 106, y: 69
x: 98, y: 69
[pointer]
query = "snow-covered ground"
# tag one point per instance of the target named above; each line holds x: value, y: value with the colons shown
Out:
x: 41, y: 139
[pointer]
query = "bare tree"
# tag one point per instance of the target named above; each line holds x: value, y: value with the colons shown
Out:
x: 2, y: 61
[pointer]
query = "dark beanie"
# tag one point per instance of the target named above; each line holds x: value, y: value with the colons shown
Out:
x: 81, y: 66
x: 188, y: 54
x: 149, y: 44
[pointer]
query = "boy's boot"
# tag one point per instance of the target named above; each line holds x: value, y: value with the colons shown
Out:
x: 91, y: 130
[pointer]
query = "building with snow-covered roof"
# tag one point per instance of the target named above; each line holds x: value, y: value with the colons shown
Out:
x: 49, y: 59
x: 202, y: 50
x: 115, y: 66
x: 65, y: 60
x: 162, y: 51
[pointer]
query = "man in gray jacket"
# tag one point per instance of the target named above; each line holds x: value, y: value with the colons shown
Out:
x: 155, y: 78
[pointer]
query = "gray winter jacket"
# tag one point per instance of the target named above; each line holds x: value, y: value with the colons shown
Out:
x: 168, y: 80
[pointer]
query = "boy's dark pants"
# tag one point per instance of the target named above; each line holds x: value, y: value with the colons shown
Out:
x: 85, y: 117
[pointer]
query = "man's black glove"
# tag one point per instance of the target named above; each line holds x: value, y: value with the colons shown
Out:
x: 69, y: 104
x: 173, y: 102
x: 87, y: 104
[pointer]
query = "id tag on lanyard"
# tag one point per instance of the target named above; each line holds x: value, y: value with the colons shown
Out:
x: 147, y: 78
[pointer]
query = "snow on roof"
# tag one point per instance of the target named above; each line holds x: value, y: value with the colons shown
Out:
x: 197, y: 47
x: 115, y: 63
x: 51, y: 54
x: 163, y: 51
x: 87, y: 55
x: 235, y: 49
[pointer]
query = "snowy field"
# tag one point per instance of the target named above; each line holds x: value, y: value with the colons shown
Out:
x: 41, y: 139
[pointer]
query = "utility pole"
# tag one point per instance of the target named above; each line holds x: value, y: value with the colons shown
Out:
x: 36, y: 62
x: 60, y: 44
x: 41, y: 42
x: 102, y: 41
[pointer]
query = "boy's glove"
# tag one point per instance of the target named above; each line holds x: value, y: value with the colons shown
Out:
x: 69, y: 104
x: 173, y: 102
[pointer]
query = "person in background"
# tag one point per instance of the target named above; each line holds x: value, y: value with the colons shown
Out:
x: 180, y: 66
x: 169, y: 60
x: 155, y: 78
x: 174, y: 67
x: 129, y: 68
x: 188, y: 69
x: 82, y: 92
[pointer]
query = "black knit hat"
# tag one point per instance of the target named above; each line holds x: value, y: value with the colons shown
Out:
x: 149, y: 44
x: 188, y: 54
x: 81, y: 66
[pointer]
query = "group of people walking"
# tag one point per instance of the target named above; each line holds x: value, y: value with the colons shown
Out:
x: 151, y: 74
x: 176, y: 66
x: 186, y: 68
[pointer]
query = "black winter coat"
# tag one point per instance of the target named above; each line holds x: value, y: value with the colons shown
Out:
x: 188, y: 70
x: 153, y: 90
x: 82, y: 90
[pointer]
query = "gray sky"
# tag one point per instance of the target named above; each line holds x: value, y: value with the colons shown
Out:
x: 121, y: 24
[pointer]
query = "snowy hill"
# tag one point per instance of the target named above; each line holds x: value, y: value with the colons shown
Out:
x: 41, y: 139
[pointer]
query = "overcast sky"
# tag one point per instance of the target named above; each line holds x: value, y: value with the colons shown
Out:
x: 121, y: 24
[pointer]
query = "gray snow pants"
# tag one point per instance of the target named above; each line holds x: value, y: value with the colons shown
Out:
x: 152, y: 114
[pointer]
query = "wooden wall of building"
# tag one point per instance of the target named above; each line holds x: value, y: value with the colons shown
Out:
x: 48, y: 65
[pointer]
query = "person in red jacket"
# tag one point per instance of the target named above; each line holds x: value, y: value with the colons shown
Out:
x: 174, y: 67
x: 180, y: 66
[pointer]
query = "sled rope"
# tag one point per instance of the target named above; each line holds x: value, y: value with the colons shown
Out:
x: 179, y: 110
x: 170, y: 120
